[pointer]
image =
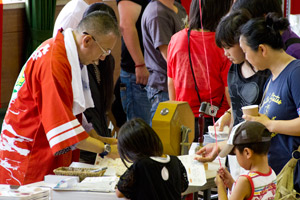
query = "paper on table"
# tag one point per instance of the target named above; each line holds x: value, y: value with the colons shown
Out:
x: 109, y: 170
x: 221, y: 135
x: 82, y: 165
x: 195, y: 170
x: 95, y: 184
x: 115, y: 166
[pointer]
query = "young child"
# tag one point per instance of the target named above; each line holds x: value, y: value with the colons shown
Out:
x: 250, y: 142
x: 152, y: 175
x: 245, y: 85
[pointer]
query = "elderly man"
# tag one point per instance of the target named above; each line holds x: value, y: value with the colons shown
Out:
x: 40, y: 129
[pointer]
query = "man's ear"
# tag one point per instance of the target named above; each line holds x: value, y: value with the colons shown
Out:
x: 248, y: 152
x: 86, y: 40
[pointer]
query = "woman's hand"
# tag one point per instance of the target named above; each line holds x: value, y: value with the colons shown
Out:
x: 224, y: 120
x: 261, y: 118
x: 208, y: 153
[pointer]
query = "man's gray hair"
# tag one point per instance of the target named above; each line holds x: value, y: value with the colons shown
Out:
x: 98, y: 23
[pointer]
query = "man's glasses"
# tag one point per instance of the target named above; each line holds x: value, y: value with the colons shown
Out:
x: 105, y: 52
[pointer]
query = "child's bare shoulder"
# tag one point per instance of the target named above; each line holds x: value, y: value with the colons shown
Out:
x: 242, y: 188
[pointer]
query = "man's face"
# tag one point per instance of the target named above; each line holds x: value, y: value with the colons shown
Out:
x: 97, y: 47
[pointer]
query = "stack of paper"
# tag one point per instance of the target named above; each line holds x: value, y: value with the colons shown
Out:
x: 23, y: 193
x: 95, y: 184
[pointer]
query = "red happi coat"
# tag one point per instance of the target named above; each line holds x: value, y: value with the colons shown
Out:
x: 39, y: 121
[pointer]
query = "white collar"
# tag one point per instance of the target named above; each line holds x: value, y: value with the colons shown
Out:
x: 161, y: 159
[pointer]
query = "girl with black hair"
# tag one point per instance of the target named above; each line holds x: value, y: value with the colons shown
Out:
x: 245, y: 84
x: 152, y: 175
x: 280, y: 108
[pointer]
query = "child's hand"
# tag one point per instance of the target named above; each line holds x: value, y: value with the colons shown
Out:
x: 219, y: 182
x: 226, y: 177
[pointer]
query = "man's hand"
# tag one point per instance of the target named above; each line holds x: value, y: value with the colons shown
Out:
x: 114, y: 152
x: 142, y: 75
x: 108, y: 140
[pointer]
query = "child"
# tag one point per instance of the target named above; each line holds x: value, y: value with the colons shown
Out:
x: 245, y: 85
x: 152, y: 175
x: 250, y: 142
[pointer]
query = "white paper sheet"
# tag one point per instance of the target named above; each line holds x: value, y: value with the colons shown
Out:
x: 195, y: 170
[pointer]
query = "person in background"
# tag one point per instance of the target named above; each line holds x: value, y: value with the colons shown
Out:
x: 256, y: 8
x: 181, y: 84
x: 40, y: 129
x: 101, y: 82
x: 71, y: 14
x: 245, y: 84
x: 161, y: 20
x: 69, y: 17
x: 187, y: 4
x: 259, y: 8
x: 100, y: 77
x: 279, y: 111
x: 250, y: 142
x: 134, y: 74
x: 153, y: 175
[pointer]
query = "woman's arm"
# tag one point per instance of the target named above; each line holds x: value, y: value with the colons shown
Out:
x: 171, y: 89
x: 286, y: 127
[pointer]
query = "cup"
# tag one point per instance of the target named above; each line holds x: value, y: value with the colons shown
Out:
x: 250, y: 110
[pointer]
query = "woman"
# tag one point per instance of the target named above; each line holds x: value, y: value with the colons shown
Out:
x: 245, y: 84
x: 279, y: 112
x: 212, y: 84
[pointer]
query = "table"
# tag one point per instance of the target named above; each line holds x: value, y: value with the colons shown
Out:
x: 210, y: 172
x: 79, y: 195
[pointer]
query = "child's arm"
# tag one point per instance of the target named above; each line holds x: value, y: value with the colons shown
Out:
x: 119, y: 194
x: 242, y: 189
x: 126, y: 184
x: 221, y: 188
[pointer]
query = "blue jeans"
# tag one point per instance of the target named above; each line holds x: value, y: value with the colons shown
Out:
x: 155, y: 96
x: 134, y: 97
